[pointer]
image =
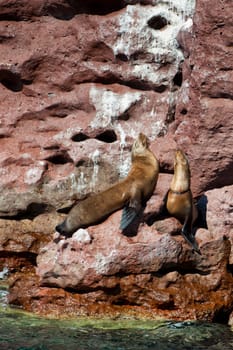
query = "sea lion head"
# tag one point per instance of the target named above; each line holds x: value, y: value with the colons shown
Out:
x: 181, y: 176
x: 180, y: 158
x: 140, y: 144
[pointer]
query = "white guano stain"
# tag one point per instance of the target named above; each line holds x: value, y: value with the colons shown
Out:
x: 125, y: 158
x: 33, y: 175
x: 135, y: 35
x: 95, y: 157
x: 103, y: 263
x: 110, y: 105
x: 81, y: 183
x: 184, y: 92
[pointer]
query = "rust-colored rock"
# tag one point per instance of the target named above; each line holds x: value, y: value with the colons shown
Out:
x: 27, y: 235
x: 151, y: 270
x: 176, y: 284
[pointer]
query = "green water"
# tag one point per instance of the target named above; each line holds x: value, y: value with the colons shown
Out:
x: 22, y: 331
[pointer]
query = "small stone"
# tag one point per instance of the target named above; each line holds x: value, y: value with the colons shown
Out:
x: 82, y: 236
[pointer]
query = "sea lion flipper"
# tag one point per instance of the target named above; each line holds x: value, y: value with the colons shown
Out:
x: 131, y: 211
x: 127, y: 217
x: 187, y: 233
x: 189, y: 237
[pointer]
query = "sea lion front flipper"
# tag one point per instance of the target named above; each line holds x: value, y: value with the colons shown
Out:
x: 127, y: 217
x: 131, y: 211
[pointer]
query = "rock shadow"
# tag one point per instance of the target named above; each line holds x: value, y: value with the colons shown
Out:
x: 11, y: 80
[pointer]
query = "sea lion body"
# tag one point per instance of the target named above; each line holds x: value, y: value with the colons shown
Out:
x: 130, y: 193
x: 179, y: 200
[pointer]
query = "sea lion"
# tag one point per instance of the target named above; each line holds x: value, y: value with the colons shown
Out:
x: 131, y: 193
x: 179, y: 199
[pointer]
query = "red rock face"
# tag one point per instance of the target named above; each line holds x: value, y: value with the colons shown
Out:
x: 77, y: 84
x: 204, y: 109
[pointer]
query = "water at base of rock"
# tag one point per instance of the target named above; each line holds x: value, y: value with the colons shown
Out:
x: 22, y: 331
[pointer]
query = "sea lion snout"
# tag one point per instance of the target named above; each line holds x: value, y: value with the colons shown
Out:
x: 180, y: 157
x: 61, y: 228
x: 143, y: 139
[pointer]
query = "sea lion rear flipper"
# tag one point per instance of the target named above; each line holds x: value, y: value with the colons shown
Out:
x: 189, y: 237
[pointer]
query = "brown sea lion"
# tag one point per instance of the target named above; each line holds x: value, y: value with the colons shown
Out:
x: 131, y: 193
x: 179, y: 199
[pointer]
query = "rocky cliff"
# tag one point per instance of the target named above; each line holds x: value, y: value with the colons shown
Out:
x: 78, y: 82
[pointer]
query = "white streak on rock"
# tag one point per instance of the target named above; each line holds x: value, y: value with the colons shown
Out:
x: 81, y: 184
x: 110, y: 105
x: 125, y: 159
x: 95, y: 157
x: 33, y: 175
x: 184, y: 93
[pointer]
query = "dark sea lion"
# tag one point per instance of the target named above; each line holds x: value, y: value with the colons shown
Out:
x: 131, y: 193
x: 179, y: 199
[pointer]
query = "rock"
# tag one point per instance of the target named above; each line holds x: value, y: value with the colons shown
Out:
x: 27, y: 235
x: 148, y: 268
x: 78, y: 95
x: 220, y: 214
x: 78, y: 82
x: 204, y: 106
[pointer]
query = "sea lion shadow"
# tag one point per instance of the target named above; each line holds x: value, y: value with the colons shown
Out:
x: 201, y: 221
x: 161, y: 214
x: 201, y: 205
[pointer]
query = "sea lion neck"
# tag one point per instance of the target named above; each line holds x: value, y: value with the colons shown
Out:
x: 181, y: 178
x: 145, y: 157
